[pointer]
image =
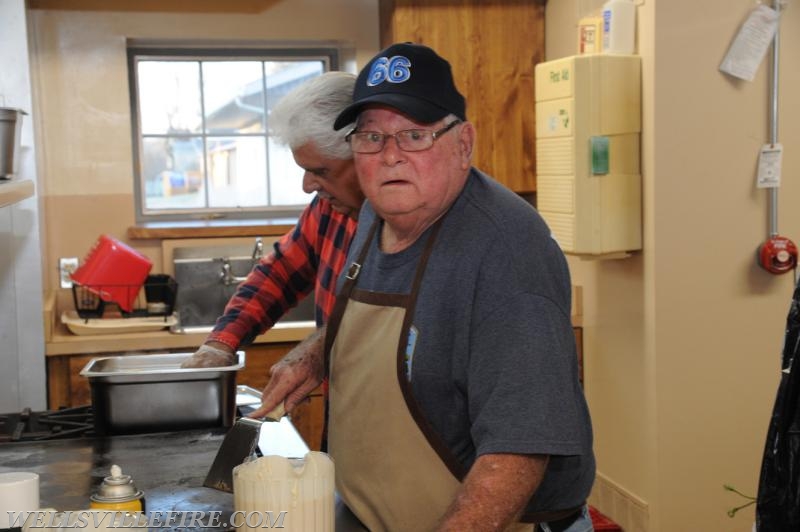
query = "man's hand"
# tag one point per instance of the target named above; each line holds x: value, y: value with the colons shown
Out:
x: 494, y: 492
x: 294, y: 376
x: 211, y: 355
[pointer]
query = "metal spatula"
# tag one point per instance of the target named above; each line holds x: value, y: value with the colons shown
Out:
x: 239, y: 443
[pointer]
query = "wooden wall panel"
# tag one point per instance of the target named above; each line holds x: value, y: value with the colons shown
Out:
x: 493, y: 47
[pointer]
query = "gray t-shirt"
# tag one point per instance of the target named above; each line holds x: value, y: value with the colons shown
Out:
x: 493, y: 363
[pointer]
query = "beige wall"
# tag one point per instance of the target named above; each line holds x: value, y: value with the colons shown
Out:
x: 81, y: 94
x: 682, y: 340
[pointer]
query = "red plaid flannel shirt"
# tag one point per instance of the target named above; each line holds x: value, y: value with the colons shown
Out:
x: 309, y: 257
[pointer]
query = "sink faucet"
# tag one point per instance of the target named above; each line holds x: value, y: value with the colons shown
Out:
x: 258, y: 250
x: 226, y: 276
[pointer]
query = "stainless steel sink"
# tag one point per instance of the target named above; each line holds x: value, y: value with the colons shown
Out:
x: 208, y: 276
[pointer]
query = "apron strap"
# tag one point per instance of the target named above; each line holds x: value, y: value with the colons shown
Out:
x: 438, y: 444
x: 344, y: 295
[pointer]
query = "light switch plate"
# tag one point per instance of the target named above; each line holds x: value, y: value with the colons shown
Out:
x: 65, y: 267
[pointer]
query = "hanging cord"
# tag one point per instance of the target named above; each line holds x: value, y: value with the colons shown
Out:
x: 751, y: 500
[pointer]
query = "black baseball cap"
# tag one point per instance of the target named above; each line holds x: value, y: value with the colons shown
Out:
x: 410, y: 77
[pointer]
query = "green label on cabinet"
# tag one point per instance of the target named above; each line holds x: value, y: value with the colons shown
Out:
x: 599, y: 155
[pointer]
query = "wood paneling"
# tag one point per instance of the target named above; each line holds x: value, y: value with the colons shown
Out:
x: 58, y: 383
x: 493, y: 47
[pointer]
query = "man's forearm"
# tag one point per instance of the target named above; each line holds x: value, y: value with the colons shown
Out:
x: 494, y: 492
x: 294, y: 376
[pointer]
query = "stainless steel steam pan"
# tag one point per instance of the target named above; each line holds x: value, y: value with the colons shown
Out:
x: 134, y: 394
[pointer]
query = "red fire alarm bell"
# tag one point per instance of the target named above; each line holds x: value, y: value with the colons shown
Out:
x: 778, y: 255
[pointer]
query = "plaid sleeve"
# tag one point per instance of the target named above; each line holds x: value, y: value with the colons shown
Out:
x: 311, y: 256
x: 276, y: 284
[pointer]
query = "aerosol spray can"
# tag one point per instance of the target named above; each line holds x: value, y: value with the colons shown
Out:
x: 117, y: 493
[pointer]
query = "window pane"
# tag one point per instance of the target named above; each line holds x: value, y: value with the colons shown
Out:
x: 202, y: 143
x: 172, y: 169
x: 236, y: 172
x: 285, y: 177
x: 283, y: 76
x: 233, y: 94
x: 169, y: 97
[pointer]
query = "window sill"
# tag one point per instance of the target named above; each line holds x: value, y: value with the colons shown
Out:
x: 210, y: 229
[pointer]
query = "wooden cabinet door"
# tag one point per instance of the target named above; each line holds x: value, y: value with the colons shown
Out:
x: 493, y: 47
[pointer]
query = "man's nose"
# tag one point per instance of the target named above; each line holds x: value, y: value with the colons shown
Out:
x: 391, y: 150
x: 310, y: 184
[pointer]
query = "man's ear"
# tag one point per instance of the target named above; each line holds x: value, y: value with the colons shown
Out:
x: 466, y: 143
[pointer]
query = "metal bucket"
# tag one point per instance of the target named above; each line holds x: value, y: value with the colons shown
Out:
x: 10, y: 127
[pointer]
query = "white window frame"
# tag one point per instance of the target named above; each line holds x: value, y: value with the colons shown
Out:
x: 328, y: 54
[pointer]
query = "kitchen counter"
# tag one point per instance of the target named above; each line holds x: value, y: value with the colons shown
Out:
x: 59, y: 341
x: 63, y: 342
x: 168, y: 467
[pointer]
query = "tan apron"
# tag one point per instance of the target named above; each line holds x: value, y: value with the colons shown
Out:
x: 392, y: 470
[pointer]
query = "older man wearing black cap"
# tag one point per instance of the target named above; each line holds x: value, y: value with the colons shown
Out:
x: 454, y: 395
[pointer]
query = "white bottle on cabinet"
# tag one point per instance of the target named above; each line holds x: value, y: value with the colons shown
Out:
x: 619, y: 26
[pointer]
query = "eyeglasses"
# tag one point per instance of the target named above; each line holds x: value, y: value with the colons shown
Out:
x: 407, y: 140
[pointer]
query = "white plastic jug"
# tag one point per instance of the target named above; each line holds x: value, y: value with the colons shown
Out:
x: 619, y: 26
x: 295, y: 494
x: 19, y: 495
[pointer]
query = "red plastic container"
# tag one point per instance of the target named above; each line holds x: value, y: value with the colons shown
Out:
x: 602, y: 523
x: 114, y: 271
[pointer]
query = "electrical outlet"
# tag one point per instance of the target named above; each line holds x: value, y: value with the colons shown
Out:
x: 65, y: 268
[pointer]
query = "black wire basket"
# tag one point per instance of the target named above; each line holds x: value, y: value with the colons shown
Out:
x: 156, y: 297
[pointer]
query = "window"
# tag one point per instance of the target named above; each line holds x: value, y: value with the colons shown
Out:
x: 201, y: 139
